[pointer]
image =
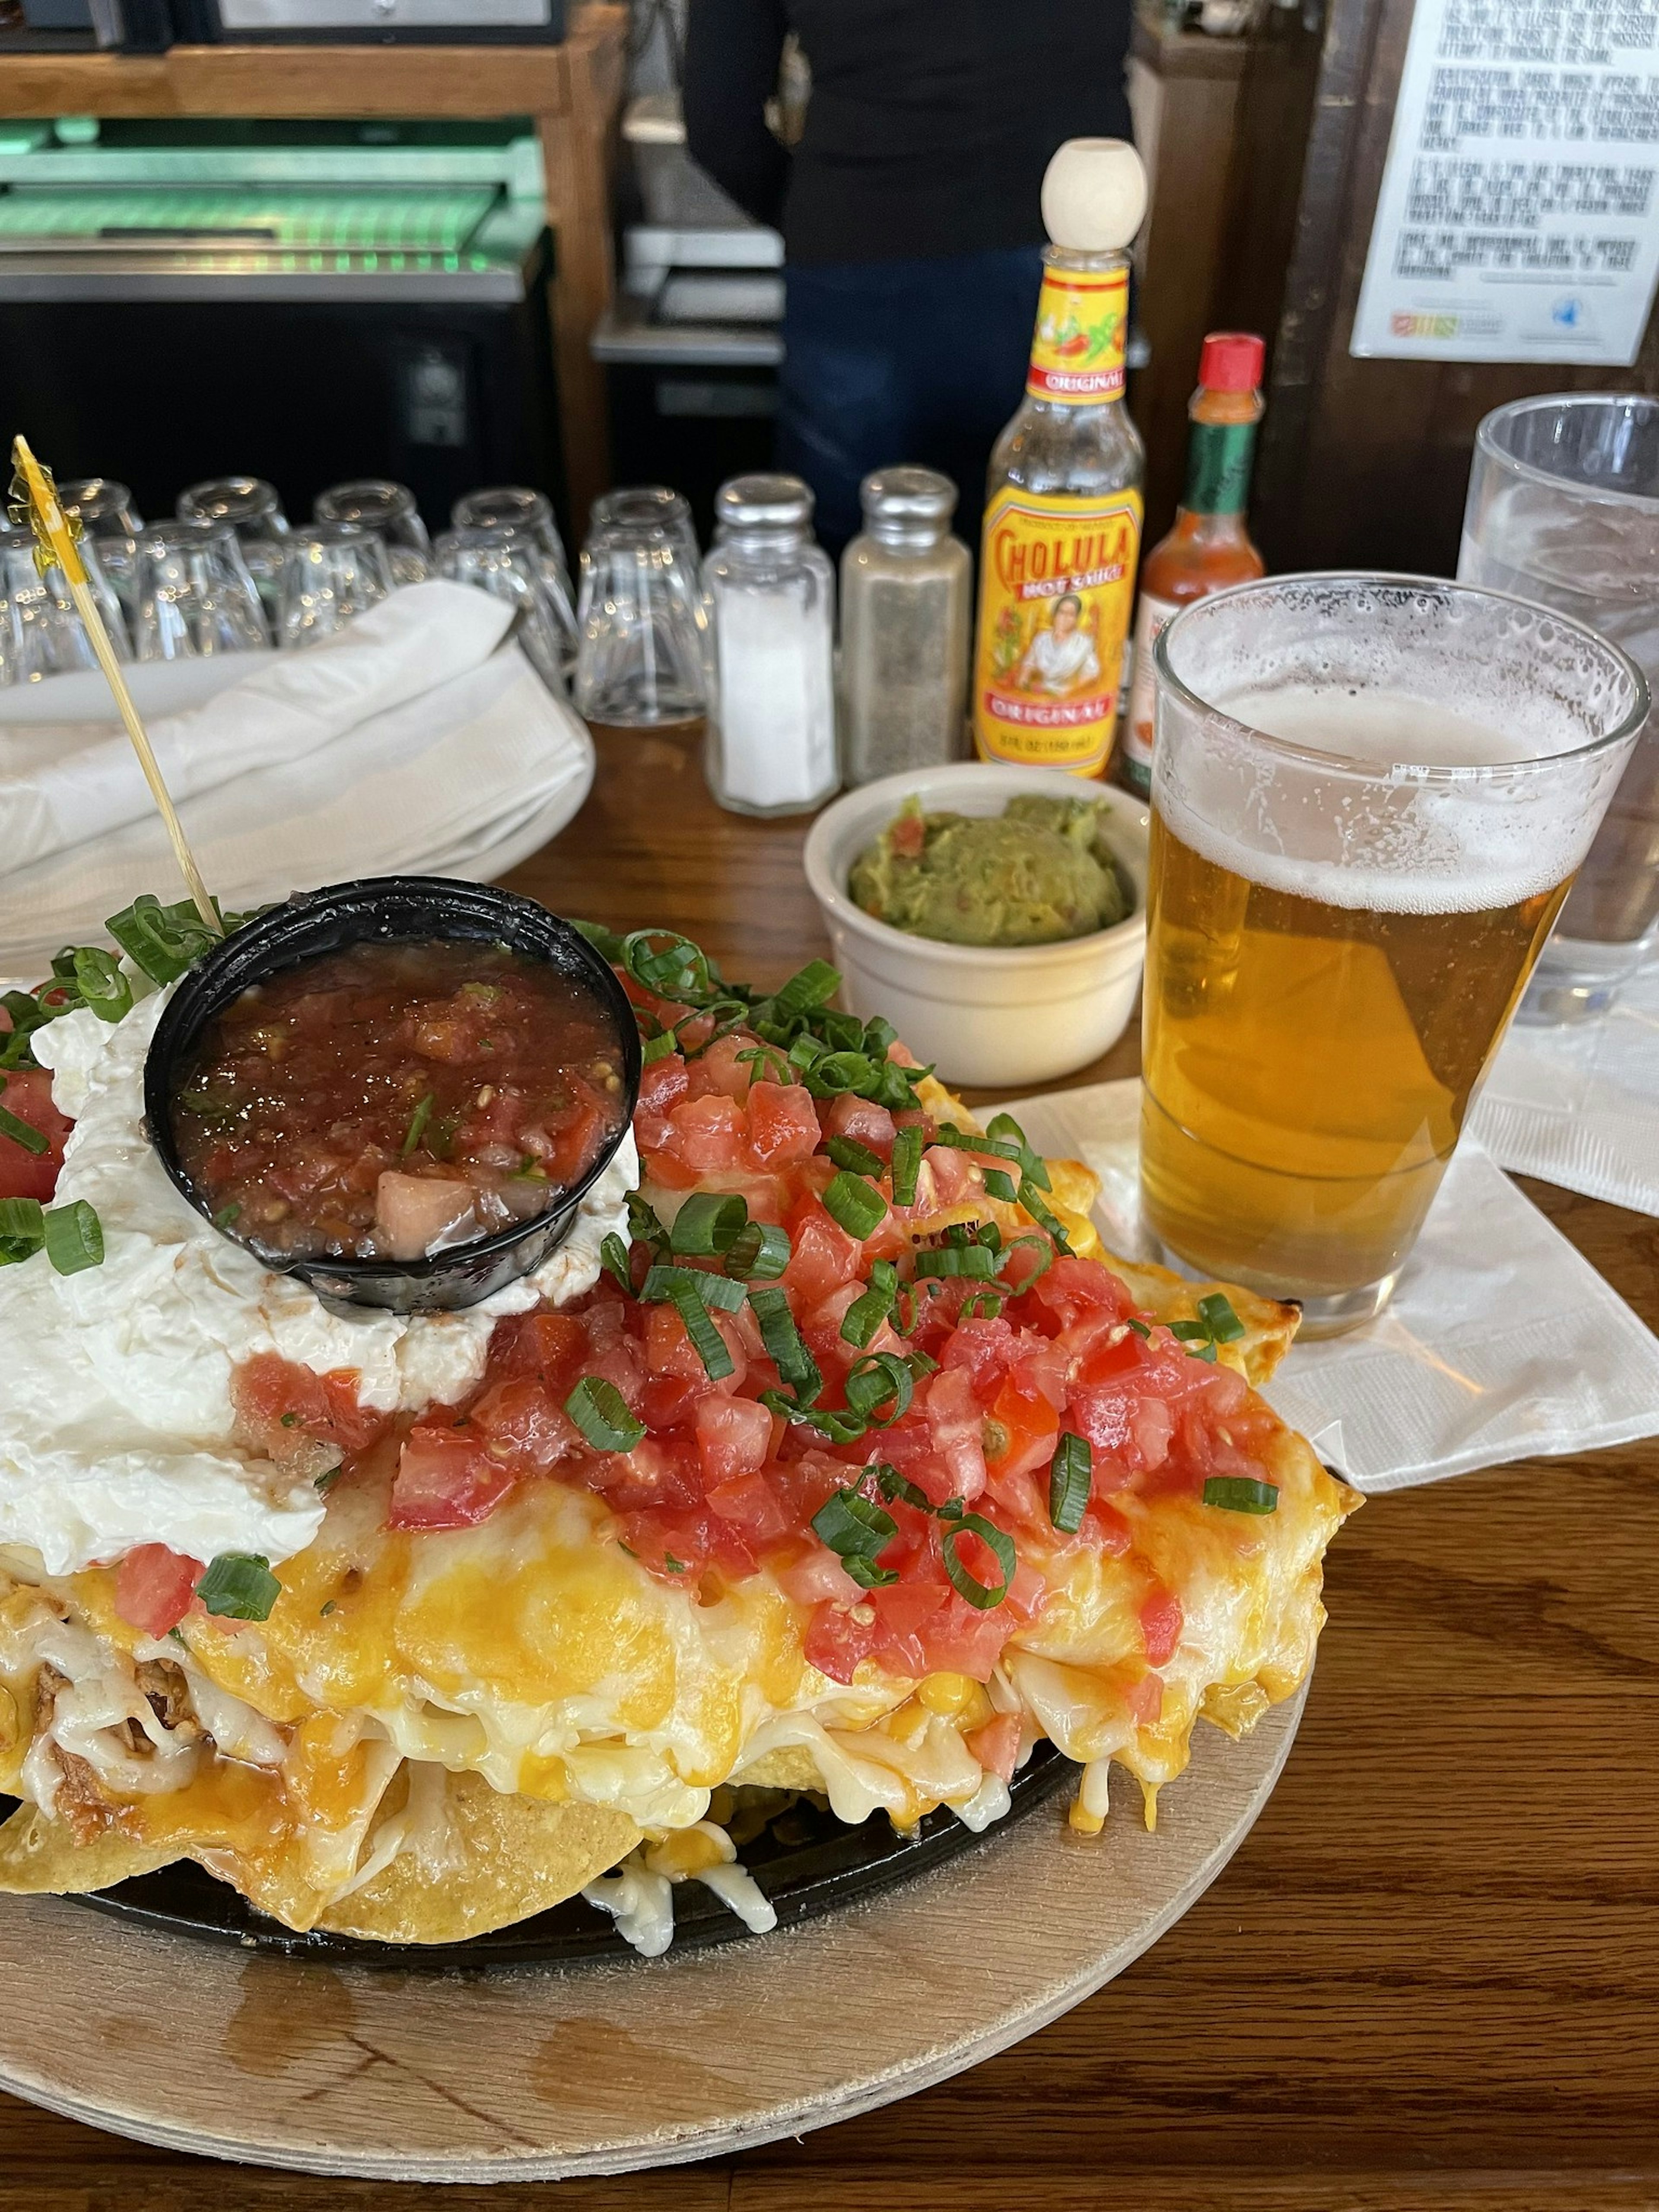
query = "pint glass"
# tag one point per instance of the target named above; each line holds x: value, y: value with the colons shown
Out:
x: 1370, y: 795
x: 1563, y: 507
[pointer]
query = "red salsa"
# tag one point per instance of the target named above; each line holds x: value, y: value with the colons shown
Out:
x: 391, y: 1101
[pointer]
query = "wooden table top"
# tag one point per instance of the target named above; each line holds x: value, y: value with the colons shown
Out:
x: 1430, y: 1977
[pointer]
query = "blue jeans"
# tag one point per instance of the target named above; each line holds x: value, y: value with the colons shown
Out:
x: 887, y: 361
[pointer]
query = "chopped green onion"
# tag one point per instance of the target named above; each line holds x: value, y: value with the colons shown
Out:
x: 999, y: 1185
x: 858, y: 1206
x: 74, y: 1238
x: 327, y: 1480
x: 643, y: 1226
x: 710, y: 1346
x: 102, y: 986
x: 808, y: 987
x: 227, y: 1214
x: 878, y: 1036
x: 970, y: 1140
x: 894, y: 1485
x: 708, y: 1223
x: 22, y: 1132
x: 657, y: 1047
x: 847, y: 1152
x: 1032, y: 1165
x: 982, y: 1595
x: 22, y: 1230
x: 1041, y: 1214
x: 1071, y: 1472
x: 26, y: 1016
x: 1139, y: 1327
x: 837, y: 1072
x: 761, y: 1253
x: 872, y: 1380
x: 667, y: 965
x: 768, y: 1062
x: 1241, y: 1493
x: 1217, y: 1314
x: 615, y: 1259
x: 673, y: 1566
x: 836, y: 1426
x: 162, y: 940
x: 239, y: 1586
x: 417, y: 1122
x: 872, y: 1308
x: 607, y: 943
x: 907, y: 1164
x: 973, y: 1261
x: 784, y: 1346
x: 710, y: 1290
x: 1194, y: 1334
x: 600, y: 1411
x: 983, y: 1304
x: 857, y: 1530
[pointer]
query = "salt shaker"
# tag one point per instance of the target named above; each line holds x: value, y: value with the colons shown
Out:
x: 906, y: 585
x: 772, y: 591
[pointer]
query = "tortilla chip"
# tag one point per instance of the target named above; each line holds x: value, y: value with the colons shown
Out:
x: 1268, y: 1326
x: 40, y: 1857
x: 791, y: 1766
x: 503, y: 1859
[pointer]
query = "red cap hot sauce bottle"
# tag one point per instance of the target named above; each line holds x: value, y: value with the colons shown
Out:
x: 1209, y: 546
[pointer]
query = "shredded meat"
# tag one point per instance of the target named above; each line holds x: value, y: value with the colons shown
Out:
x: 80, y: 1804
x: 164, y: 1683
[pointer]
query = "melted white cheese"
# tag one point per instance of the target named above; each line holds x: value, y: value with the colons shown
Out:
x: 116, y: 1423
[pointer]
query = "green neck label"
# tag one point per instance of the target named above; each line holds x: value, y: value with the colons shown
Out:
x: 1219, y: 460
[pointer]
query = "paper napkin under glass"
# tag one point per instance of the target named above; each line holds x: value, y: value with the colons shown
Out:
x: 1501, y: 1343
x: 415, y: 743
x: 1577, y: 1103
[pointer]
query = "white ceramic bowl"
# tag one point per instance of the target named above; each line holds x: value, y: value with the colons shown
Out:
x: 1011, y: 1017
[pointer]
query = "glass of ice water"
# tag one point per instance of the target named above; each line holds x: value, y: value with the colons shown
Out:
x: 1564, y: 508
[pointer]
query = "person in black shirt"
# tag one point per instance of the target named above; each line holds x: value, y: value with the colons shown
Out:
x: 910, y: 211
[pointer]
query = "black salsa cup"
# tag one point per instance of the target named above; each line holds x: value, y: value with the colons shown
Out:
x: 392, y: 909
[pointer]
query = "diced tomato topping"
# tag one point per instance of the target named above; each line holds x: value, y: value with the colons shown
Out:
x: 706, y: 1134
x: 863, y: 1120
x: 663, y: 1083
x: 24, y: 1174
x: 154, y: 1587
x: 783, y: 1124
x: 996, y: 1745
x: 734, y: 1438
x: 446, y: 1479
x: 823, y: 1256
x: 1161, y: 1623
x: 719, y: 1069
x: 281, y: 1405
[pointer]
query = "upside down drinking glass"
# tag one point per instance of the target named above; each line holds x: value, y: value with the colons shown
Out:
x: 1370, y: 796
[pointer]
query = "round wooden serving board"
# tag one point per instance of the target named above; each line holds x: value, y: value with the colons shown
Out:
x: 540, y: 2072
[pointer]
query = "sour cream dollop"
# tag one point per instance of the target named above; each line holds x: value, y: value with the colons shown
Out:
x: 116, y: 1422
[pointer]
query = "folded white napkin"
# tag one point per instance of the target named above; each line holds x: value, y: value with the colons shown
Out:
x: 411, y: 642
x: 1578, y: 1104
x: 1501, y: 1343
x: 465, y: 777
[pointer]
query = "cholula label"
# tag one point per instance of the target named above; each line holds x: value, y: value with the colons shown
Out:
x: 1082, y: 326
x: 1057, y: 580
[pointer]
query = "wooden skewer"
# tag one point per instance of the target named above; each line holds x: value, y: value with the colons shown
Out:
x: 54, y: 537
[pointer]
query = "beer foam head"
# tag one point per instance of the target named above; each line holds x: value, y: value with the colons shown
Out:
x: 1407, y: 748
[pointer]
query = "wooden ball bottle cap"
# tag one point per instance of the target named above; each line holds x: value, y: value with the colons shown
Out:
x: 1094, y: 195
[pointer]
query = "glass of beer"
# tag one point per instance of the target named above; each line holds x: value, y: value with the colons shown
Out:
x: 1370, y: 795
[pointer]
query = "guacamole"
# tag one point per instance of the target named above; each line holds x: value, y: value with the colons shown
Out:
x: 1039, y: 872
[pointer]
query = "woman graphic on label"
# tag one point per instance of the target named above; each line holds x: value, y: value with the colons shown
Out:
x: 1061, y: 659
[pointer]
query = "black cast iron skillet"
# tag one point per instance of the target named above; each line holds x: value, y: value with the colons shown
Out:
x: 806, y: 1861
